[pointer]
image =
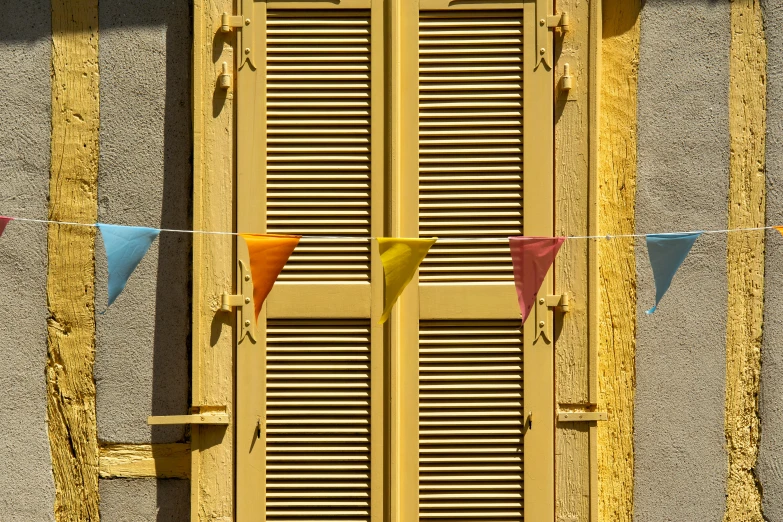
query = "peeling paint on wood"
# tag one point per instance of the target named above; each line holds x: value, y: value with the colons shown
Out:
x: 745, y: 261
x: 212, y: 472
x: 70, y: 277
x: 572, y: 440
x: 145, y: 461
x: 616, y: 260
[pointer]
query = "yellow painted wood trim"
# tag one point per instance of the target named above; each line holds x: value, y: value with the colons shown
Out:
x: 745, y: 261
x: 539, y: 211
x: 616, y: 258
x: 73, y: 196
x: 212, y: 464
x: 380, y: 507
x: 348, y: 300
x: 404, y: 222
x: 145, y: 461
x: 574, y: 183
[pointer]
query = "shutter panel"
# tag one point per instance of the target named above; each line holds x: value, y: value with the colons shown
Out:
x: 318, y: 140
x: 318, y: 421
x: 316, y: 385
x: 481, y: 142
x: 471, y: 421
x: 470, y: 142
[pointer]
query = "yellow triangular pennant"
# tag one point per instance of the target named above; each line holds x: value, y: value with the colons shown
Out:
x: 779, y: 229
x: 400, y: 259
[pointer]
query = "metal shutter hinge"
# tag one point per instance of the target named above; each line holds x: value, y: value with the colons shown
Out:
x: 216, y: 415
x: 243, y: 301
x: 582, y: 416
x: 243, y: 21
x: 559, y: 303
x: 545, y: 23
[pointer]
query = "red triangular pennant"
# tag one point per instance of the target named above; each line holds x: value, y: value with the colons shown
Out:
x: 532, y: 257
x: 4, y: 222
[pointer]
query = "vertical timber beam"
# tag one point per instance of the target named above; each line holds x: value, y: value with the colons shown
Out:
x: 745, y: 261
x: 73, y: 196
x: 572, y: 188
x: 212, y: 447
x: 616, y: 260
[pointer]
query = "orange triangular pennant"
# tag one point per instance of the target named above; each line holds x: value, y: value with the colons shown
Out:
x: 268, y: 256
x: 779, y: 229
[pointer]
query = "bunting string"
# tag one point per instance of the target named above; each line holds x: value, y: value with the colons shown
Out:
x: 532, y: 257
x: 440, y: 240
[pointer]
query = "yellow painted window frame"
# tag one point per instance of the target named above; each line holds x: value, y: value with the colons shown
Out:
x: 212, y: 474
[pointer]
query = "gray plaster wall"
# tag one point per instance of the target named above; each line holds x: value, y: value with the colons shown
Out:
x: 683, y: 158
x: 770, y: 464
x: 145, y: 179
x: 26, y: 482
x: 143, y: 500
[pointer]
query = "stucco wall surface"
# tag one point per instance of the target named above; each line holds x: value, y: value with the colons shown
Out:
x: 145, y: 179
x: 682, y: 184
x: 26, y: 483
x: 144, y: 500
x: 770, y: 464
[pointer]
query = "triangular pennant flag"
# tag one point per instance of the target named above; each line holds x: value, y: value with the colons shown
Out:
x: 779, y: 229
x: 268, y: 256
x: 125, y: 248
x: 4, y: 222
x: 667, y: 252
x: 532, y: 257
x: 400, y: 259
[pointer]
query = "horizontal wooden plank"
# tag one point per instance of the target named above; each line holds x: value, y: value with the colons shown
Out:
x: 468, y: 301
x: 313, y: 300
x: 145, y: 461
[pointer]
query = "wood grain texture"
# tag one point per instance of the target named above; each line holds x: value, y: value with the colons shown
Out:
x: 73, y: 195
x: 745, y: 261
x: 145, y: 461
x: 212, y: 472
x: 616, y: 260
x: 572, y: 440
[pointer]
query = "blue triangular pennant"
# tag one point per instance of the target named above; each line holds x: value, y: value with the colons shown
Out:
x: 667, y: 252
x: 125, y: 248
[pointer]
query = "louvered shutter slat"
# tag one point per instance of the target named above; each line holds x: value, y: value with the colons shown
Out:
x: 470, y: 148
x: 470, y: 421
x: 318, y: 148
x: 318, y: 420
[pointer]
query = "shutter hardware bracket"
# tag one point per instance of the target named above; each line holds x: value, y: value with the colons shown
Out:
x: 243, y: 22
x: 545, y: 23
x: 243, y: 301
x: 559, y: 303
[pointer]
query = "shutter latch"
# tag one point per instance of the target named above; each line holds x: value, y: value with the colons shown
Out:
x: 559, y: 303
x: 216, y: 415
x: 582, y: 416
x: 243, y: 301
x: 244, y: 22
x: 545, y: 23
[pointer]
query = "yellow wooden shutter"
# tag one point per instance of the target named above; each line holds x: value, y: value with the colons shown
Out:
x: 312, y: 382
x: 484, y: 173
x: 425, y: 418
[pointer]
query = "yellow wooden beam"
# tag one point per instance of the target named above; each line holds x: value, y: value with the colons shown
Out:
x: 745, y: 261
x: 73, y: 196
x: 572, y: 188
x: 145, y: 461
x: 616, y: 259
x: 212, y: 482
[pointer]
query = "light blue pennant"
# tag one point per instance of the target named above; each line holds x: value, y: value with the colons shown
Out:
x: 125, y: 248
x: 667, y: 252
